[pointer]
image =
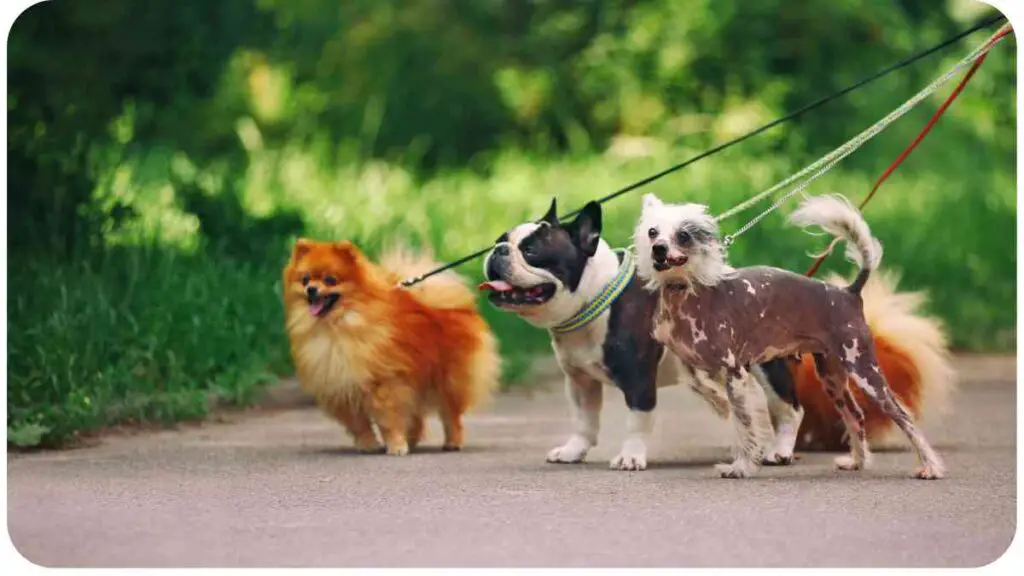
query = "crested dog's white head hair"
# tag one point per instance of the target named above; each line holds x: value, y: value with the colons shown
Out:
x: 678, y: 243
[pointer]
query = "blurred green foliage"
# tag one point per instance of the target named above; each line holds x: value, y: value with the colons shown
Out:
x: 162, y: 155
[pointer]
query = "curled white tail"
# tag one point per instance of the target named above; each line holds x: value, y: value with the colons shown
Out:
x: 834, y: 214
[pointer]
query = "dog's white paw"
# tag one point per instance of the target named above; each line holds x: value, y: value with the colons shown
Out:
x: 575, y: 450
x: 781, y: 453
x: 739, y: 468
x: 848, y: 463
x: 932, y: 471
x: 778, y: 458
x: 632, y: 457
x: 398, y: 449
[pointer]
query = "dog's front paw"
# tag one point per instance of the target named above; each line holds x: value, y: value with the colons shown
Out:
x: 775, y: 458
x: 368, y: 445
x: 930, y: 472
x: 739, y: 468
x: 398, y: 449
x: 575, y: 450
x: 849, y: 463
x: 632, y: 457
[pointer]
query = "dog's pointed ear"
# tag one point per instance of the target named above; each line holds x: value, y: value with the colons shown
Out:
x: 652, y: 202
x: 552, y: 214
x: 348, y: 251
x: 587, y: 228
x: 301, y: 248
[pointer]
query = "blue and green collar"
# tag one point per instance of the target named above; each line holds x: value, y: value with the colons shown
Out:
x: 605, y: 299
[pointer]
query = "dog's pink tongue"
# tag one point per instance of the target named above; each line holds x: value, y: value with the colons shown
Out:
x: 496, y: 285
x: 317, y: 307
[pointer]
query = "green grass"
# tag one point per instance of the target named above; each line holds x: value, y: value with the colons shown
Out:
x: 141, y: 334
x: 160, y: 325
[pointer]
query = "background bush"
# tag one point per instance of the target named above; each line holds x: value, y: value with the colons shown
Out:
x: 163, y: 155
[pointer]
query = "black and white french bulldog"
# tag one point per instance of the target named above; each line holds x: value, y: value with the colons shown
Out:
x: 546, y: 272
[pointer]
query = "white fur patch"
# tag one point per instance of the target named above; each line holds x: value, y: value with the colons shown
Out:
x: 353, y: 318
x: 862, y: 382
x: 750, y: 287
x: 698, y: 335
x: 852, y: 352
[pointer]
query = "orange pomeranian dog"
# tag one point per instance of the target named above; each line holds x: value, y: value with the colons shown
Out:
x: 372, y: 352
x: 913, y: 356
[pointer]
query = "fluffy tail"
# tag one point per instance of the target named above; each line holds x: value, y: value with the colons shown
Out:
x: 913, y: 354
x: 476, y: 375
x: 446, y: 290
x: 834, y: 214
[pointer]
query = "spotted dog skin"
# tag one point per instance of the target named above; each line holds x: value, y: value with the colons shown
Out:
x: 723, y: 320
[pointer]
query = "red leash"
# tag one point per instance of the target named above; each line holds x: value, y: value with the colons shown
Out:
x: 927, y: 128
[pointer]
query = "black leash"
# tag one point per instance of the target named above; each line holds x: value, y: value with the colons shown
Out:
x: 792, y: 115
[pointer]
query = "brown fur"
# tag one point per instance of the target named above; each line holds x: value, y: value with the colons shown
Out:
x: 383, y: 354
x: 912, y: 354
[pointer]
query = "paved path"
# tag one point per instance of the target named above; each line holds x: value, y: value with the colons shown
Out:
x: 280, y: 490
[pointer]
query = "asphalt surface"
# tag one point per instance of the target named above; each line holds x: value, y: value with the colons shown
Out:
x: 284, y: 490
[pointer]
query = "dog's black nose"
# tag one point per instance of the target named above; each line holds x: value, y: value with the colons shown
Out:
x: 501, y: 250
x: 493, y: 271
x: 311, y: 292
x: 659, y: 251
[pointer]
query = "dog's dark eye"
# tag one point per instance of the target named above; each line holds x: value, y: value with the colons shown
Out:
x: 330, y: 280
x: 682, y: 237
x: 528, y: 252
x: 305, y: 279
x: 652, y: 233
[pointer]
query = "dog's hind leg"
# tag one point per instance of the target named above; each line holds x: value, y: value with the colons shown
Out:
x: 833, y: 374
x: 451, y: 421
x: 585, y: 397
x: 786, y: 413
x: 862, y: 363
x: 751, y: 422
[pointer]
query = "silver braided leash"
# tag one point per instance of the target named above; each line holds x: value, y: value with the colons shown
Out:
x: 827, y: 162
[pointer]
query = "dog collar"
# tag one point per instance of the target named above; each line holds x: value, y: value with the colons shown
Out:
x: 605, y: 299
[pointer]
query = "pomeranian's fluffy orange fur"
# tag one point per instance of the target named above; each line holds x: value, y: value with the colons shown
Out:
x: 914, y: 358
x: 375, y: 353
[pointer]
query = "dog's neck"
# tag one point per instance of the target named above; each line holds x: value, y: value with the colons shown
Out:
x: 709, y: 269
x: 601, y: 269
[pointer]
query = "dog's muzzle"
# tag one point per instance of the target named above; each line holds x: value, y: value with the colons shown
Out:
x: 504, y: 294
x: 660, y: 254
x: 497, y: 262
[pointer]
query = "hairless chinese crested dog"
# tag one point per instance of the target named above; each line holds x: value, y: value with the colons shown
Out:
x: 723, y: 320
